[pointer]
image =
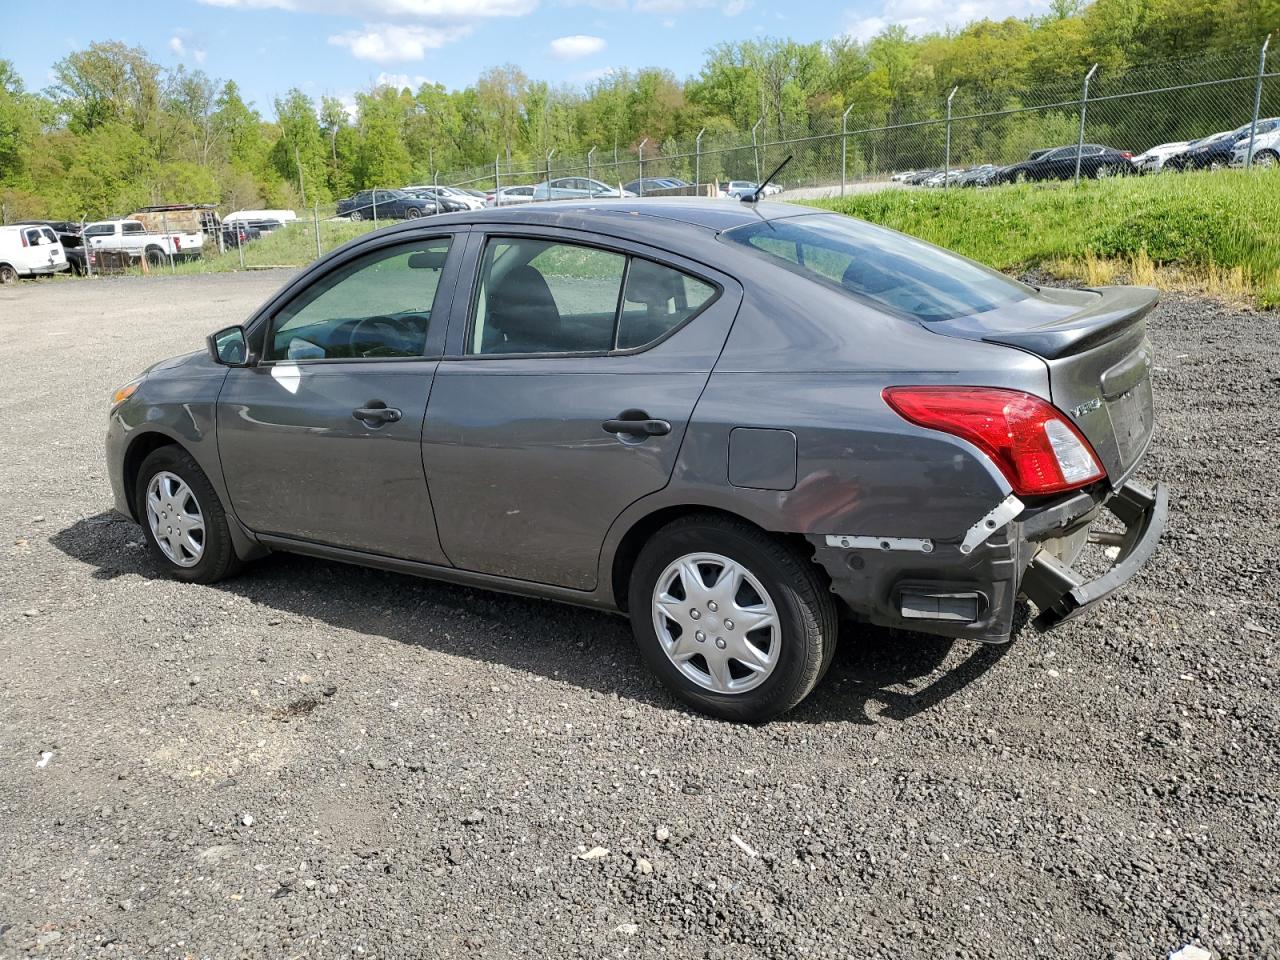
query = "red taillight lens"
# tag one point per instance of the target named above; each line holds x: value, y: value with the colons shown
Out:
x: 1126, y: 154
x: 1037, y: 449
x: 177, y: 242
x: 25, y: 242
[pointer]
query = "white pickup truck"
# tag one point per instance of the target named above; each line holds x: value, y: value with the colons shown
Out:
x: 132, y: 238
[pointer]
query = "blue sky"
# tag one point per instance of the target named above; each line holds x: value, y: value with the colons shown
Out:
x: 337, y: 47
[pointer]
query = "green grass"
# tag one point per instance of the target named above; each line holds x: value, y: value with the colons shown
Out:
x: 291, y: 246
x: 1215, y: 230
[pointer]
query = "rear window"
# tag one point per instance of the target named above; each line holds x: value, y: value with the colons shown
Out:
x: 890, y: 269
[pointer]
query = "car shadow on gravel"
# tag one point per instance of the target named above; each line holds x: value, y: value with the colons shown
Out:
x: 877, y: 674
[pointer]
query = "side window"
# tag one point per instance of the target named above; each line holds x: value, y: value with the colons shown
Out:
x: 133, y: 226
x: 101, y: 230
x: 542, y: 297
x: 33, y: 237
x: 49, y: 235
x: 375, y: 307
x: 537, y: 296
x: 656, y: 300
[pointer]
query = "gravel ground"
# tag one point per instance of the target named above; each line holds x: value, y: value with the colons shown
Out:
x: 320, y: 761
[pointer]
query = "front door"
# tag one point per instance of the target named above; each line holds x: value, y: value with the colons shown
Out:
x: 564, y: 398
x: 320, y: 441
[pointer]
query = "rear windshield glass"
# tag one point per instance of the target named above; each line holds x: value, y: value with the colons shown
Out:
x: 906, y: 275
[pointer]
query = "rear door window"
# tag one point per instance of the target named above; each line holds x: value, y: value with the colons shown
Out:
x: 133, y: 227
x: 892, y: 270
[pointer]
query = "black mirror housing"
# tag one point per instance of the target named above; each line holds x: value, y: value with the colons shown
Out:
x: 229, y: 347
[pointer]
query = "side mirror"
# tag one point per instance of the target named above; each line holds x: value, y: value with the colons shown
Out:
x: 229, y: 347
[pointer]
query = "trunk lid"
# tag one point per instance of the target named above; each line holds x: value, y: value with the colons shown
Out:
x: 1095, y: 345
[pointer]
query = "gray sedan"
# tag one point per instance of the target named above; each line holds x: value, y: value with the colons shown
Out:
x: 740, y: 425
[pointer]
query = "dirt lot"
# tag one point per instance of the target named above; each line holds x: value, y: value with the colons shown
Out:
x: 321, y: 761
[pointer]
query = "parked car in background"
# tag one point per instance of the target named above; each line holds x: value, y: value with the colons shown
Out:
x: 1153, y: 160
x: 30, y: 250
x: 943, y: 178
x: 506, y: 196
x: 919, y: 177
x: 653, y: 185
x: 443, y: 204
x: 68, y: 233
x: 743, y: 188
x: 238, y: 232
x: 983, y: 175
x: 576, y: 188
x: 739, y: 426
x: 1215, y: 152
x: 280, y: 216
x: 384, y: 205
x: 1059, y: 163
x: 133, y: 239
x: 1266, y: 150
x: 461, y: 199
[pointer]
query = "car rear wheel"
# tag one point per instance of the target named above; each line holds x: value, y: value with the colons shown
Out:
x: 1020, y: 176
x: 1265, y: 159
x: 413, y: 213
x: 733, y: 621
x: 183, y: 519
x: 155, y: 257
x: 8, y: 275
x: 1104, y: 170
x: 357, y: 215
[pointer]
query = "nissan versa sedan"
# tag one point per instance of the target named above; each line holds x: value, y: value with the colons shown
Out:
x: 739, y: 424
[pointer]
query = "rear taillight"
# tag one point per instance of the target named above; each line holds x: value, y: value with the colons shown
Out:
x: 177, y: 242
x: 25, y: 242
x: 1037, y: 449
x: 1126, y: 154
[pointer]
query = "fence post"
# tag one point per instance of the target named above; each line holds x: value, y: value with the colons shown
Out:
x: 697, y: 161
x: 1257, y: 101
x: 550, y: 153
x: 164, y: 225
x: 755, y: 147
x: 315, y: 214
x: 946, y: 170
x: 641, y: 150
x: 241, y: 236
x: 844, y: 147
x: 1084, y: 106
x: 88, y: 253
x: 590, y: 153
x: 497, y: 180
x: 374, y: 194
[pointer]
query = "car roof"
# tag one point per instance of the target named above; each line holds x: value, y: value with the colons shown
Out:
x: 711, y: 214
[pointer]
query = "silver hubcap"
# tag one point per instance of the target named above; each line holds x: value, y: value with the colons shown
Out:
x: 1264, y: 160
x: 173, y: 513
x: 716, y: 623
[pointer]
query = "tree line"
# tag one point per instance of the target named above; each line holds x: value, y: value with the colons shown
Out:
x: 115, y: 130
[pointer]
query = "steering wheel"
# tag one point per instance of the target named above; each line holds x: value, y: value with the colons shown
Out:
x: 375, y: 330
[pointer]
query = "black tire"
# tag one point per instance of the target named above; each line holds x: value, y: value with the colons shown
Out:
x: 1265, y: 159
x: 413, y: 213
x: 8, y: 274
x: 155, y: 257
x: 806, y: 614
x: 218, y: 560
x: 356, y: 215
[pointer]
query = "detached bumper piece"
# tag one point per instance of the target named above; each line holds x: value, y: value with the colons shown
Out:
x: 1057, y: 590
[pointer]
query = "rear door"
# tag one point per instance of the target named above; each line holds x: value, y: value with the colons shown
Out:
x: 320, y: 440
x: 563, y: 336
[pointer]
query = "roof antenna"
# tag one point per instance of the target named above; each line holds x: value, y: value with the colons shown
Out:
x: 755, y: 197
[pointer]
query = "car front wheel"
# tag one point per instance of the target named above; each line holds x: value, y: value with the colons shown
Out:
x: 356, y: 215
x: 183, y: 519
x: 735, y: 623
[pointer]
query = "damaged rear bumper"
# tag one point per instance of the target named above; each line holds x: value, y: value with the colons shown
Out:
x: 1059, y: 592
x: 970, y: 588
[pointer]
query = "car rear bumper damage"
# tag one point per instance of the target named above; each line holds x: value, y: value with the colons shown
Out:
x: 969, y: 587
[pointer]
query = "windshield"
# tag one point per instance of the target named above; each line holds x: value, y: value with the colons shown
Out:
x: 888, y: 268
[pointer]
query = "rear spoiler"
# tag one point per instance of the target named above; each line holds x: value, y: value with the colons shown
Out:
x: 1116, y: 310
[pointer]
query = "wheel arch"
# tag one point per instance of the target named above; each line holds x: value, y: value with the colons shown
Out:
x: 644, y: 527
x: 141, y: 447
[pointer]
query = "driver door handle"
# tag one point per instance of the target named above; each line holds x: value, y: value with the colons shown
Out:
x: 376, y: 411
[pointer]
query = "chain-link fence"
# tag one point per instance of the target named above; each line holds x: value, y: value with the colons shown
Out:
x: 1129, y: 111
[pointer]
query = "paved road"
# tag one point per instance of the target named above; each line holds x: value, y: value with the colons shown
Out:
x: 315, y: 760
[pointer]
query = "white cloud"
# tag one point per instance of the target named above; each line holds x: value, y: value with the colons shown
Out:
x: 734, y: 7
x: 576, y: 47
x: 394, y: 31
x: 400, y: 80
x: 925, y: 16
x: 184, y: 50
x: 393, y: 43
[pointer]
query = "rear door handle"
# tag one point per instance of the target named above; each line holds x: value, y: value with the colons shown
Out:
x: 376, y: 411
x: 638, y: 427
